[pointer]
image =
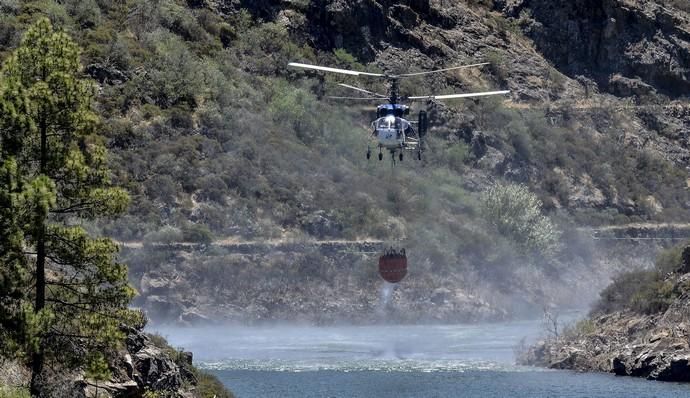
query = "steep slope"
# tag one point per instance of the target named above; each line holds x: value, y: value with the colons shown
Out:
x: 216, y: 138
x: 613, y: 42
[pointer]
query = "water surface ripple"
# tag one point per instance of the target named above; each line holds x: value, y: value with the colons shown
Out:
x: 392, y: 361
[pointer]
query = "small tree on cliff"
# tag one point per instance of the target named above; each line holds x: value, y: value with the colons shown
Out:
x: 67, y: 294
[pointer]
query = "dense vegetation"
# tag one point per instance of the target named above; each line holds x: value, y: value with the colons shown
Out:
x: 214, y: 137
x: 648, y: 291
x: 211, y: 133
x: 64, y: 294
x: 65, y: 297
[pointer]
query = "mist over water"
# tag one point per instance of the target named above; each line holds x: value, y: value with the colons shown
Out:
x: 286, y: 347
x: 392, y: 361
x: 405, y: 348
x: 476, y: 360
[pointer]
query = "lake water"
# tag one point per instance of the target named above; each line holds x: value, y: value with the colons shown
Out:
x: 392, y: 361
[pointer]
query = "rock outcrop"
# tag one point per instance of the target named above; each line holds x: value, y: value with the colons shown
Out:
x: 646, y: 42
x: 146, y: 365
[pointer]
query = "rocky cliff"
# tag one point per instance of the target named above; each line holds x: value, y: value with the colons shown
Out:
x: 258, y: 282
x: 626, y: 344
x: 653, y: 343
x: 629, y: 47
x: 145, y: 365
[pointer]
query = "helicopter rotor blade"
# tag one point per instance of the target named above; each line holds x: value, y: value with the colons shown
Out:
x: 442, y: 70
x: 451, y: 96
x: 356, y: 98
x: 363, y: 90
x: 334, y: 70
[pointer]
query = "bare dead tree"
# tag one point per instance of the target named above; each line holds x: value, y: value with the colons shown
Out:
x: 550, y: 323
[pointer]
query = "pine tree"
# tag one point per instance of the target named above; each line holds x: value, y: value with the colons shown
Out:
x: 13, y: 264
x: 64, y: 294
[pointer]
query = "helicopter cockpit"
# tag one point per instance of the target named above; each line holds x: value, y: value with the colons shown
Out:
x: 390, y: 123
x: 390, y: 130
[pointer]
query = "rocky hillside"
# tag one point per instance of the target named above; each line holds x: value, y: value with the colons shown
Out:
x: 216, y: 139
x: 639, y: 328
x: 542, y: 137
x: 145, y: 366
x: 628, y: 47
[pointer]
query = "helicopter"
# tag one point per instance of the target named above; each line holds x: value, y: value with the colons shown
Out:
x: 391, y: 130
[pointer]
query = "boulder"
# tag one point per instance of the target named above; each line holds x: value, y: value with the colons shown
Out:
x: 440, y: 296
x: 492, y: 159
x: 193, y: 317
x: 322, y: 225
x: 109, y: 389
x: 566, y: 359
x: 618, y: 366
x: 627, y: 87
x: 156, y: 370
x: 106, y: 74
x: 676, y: 369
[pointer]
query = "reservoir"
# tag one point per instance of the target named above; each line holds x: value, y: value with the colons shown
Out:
x: 393, y: 361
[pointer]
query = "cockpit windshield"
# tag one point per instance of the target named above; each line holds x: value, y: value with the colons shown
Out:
x: 391, y: 123
x: 384, y: 123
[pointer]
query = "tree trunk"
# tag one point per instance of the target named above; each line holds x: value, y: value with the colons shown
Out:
x: 37, y: 358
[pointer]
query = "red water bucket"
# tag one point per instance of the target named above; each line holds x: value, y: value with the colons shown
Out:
x: 393, y: 266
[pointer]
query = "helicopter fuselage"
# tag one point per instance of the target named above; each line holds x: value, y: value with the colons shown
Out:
x: 390, y: 129
x: 390, y: 132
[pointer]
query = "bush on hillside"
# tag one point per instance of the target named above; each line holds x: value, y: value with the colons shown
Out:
x: 644, y: 291
x: 516, y: 213
x: 12, y: 392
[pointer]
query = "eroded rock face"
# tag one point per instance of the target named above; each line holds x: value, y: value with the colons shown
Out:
x: 156, y: 370
x: 598, y: 39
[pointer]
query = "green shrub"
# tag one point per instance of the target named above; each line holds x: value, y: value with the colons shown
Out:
x: 618, y: 295
x: 14, y: 392
x: 644, y: 291
x: 654, y: 297
x: 581, y: 328
x: 516, y: 213
x: 197, y: 233
x: 346, y: 59
x: 174, y: 72
x: 458, y: 154
x: 209, y: 386
x: 86, y: 13
x: 669, y: 260
x: 165, y: 235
